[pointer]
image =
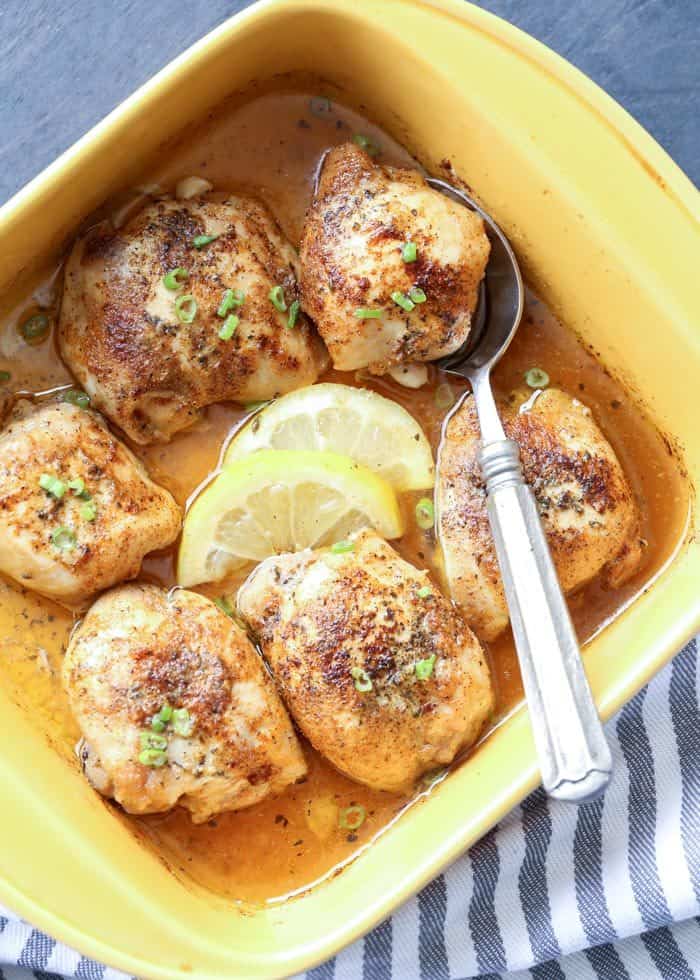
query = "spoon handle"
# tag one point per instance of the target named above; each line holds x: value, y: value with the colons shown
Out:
x: 574, y: 756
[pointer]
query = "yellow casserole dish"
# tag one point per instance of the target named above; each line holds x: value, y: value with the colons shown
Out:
x: 586, y: 196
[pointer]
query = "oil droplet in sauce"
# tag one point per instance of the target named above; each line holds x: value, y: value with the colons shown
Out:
x: 271, y: 145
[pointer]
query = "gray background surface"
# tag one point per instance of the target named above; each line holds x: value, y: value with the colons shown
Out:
x: 64, y: 65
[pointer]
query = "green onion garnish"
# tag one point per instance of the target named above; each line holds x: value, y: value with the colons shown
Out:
x: 230, y: 300
x: 403, y: 301
x: 362, y: 313
x: 320, y: 106
x: 293, y: 314
x: 424, y: 592
x: 352, y: 817
x: 366, y: 143
x: 224, y: 605
x: 416, y: 295
x: 78, y: 487
x: 76, y: 397
x: 186, y: 308
x: 409, y: 253
x: 35, y: 328
x: 201, y: 240
x: 152, y: 757
x: 536, y: 378
x: 52, y: 485
x: 151, y: 740
x: 276, y: 296
x: 363, y: 682
x: 444, y: 396
x: 160, y: 720
x: 341, y: 547
x: 175, y: 278
x: 228, y: 328
x: 4, y: 376
x: 424, y: 668
x: 183, y: 723
x: 88, y: 510
x: 425, y: 513
x: 63, y: 538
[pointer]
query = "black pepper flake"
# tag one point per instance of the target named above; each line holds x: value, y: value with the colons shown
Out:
x: 280, y: 818
x: 351, y: 838
x: 298, y: 843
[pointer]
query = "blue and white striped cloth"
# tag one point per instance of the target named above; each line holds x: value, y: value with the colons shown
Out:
x: 606, y: 891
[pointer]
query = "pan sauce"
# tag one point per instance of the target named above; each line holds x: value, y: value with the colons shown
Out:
x: 270, y: 145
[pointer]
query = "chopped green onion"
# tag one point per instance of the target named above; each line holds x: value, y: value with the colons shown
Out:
x: 366, y: 143
x: 186, y: 308
x: 88, y: 510
x: 425, y: 513
x: 76, y: 397
x: 293, y: 314
x: 157, y: 725
x: 63, y: 538
x: 153, y: 757
x: 536, y: 378
x: 175, y: 278
x: 362, y: 313
x: 363, y: 682
x: 166, y: 712
x: 228, y: 328
x: 409, y: 253
x: 403, y: 301
x: 352, y: 817
x: 224, y: 605
x: 424, y: 592
x: 183, y: 723
x: 151, y: 740
x: 320, y: 106
x: 201, y: 240
x: 416, y: 295
x: 444, y: 396
x: 340, y: 547
x: 230, y: 300
x: 78, y: 487
x: 35, y: 328
x: 424, y: 668
x: 52, y: 485
x: 276, y: 296
x: 4, y: 376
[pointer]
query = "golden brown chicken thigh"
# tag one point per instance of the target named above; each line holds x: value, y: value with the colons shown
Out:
x: 588, y: 510
x: 78, y: 511
x: 151, y: 356
x: 373, y: 232
x: 380, y: 672
x: 175, y: 706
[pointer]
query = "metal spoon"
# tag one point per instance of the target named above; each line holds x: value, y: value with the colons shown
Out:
x: 574, y: 756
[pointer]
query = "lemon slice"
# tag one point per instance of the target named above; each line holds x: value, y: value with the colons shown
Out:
x: 276, y: 501
x: 356, y: 422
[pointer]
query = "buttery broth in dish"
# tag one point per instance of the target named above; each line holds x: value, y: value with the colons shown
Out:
x: 270, y: 146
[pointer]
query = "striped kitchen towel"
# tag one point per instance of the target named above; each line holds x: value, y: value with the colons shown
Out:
x: 607, y: 891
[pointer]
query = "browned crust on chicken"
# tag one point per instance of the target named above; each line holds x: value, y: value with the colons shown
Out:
x: 133, y: 515
x: 120, y: 334
x: 140, y: 648
x: 319, y: 616
x: 588, y: 510
x: 360, y: 218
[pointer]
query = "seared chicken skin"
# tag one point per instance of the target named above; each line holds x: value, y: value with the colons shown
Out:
x: 588, y: 510
x: 380, y: 672
x: 353, y: 259
x: 78, y: 511
x: 175, y: 706
x: 150, y: 367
